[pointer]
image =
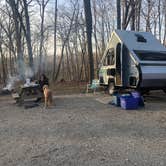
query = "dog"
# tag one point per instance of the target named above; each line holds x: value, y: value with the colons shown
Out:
x: 47, y: 96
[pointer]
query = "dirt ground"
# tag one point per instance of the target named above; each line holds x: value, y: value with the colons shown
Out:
x: 83, y: 130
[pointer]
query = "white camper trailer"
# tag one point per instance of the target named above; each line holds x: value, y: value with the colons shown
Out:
x: 133, y: 60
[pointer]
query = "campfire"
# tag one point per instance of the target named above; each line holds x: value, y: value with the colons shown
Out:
x: 10, y: 86
x: 30, y: 83
x: 15, y: 83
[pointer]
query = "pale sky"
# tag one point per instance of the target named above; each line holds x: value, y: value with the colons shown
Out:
x: 59, y: 2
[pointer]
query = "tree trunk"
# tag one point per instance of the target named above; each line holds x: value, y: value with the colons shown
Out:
x: 63, y: 46
x: 164, y: 40
x: 118, y: 14
x: 55, y: 30
x: 159, y: 19
x: 133, y: 8
x: 18, y: 38
x: 3, y: 64
x: 148, y: 29
x: 42, y: 5
x: 68, y: 64
x: 138, y: 15
x: 88, y: 18
x: 41, y: 42
x: 28, y: 34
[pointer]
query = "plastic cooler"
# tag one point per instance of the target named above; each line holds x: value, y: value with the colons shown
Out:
x: 128, y: 102
x: 138, y: 96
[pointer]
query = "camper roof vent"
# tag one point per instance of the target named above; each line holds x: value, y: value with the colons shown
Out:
x: 140, y: 38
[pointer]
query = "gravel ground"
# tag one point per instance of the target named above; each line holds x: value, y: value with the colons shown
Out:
x: 83, y: 130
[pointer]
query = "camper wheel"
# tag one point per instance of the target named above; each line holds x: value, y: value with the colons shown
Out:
x: 164, y: 90
x: 111, y: 88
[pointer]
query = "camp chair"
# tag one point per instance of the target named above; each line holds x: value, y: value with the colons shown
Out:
x: 95, y: 84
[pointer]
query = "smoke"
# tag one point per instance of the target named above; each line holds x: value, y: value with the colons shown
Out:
x: 40, y: 65
x: 11, y: 82
x: 24, y: 71
x: 36, y: 67
x: 29, y: 72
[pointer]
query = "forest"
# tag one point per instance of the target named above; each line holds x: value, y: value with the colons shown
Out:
x: 66, y: 39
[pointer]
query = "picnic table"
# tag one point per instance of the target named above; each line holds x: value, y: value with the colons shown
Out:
x: 28, y: 92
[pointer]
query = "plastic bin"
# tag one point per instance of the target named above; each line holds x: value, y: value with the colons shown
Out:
x: 128, y: 102
x: 116, y: 100
x: 138, y: 96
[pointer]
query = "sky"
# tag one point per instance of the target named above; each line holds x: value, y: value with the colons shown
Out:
x: 59, y: 2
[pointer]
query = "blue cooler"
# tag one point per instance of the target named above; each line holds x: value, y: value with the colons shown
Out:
x: 138, y: 96
x: 128, y: 102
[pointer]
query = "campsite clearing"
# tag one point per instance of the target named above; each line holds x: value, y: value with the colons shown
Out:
x: 83, y: 130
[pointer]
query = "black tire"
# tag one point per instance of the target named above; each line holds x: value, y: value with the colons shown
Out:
x: 164, y: 90
x: 111, y: 88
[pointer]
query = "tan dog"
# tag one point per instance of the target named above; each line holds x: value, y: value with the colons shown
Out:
x: 47, y: 96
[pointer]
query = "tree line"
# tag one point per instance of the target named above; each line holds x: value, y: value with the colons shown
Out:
x: 66, y: 40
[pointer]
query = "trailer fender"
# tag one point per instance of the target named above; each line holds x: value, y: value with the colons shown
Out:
x: 140, y: 76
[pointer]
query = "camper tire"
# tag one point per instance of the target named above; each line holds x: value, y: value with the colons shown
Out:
x: 111, y: 88
x: 164, y: 90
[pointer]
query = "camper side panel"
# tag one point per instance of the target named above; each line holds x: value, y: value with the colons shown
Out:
x: 133, y: 78
x: 130, y: 72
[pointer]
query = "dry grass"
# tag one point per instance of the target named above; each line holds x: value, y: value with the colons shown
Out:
x: 69, y: 87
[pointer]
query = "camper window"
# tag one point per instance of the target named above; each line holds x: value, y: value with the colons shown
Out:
x: 151, y: 56
x: 110, y: 58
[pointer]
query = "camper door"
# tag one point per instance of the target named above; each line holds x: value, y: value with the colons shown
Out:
x: 118, y: 75
x: 108, y: 63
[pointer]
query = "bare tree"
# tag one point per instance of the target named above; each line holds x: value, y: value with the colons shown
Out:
x: 64, y: 38
x: 126, y: 13
x: 159, y: 18
x: 97, y: 50
x: 138, y: 15
x: 88, y: 18
x: 42, y: 4
x: 55, y: 31
x: 19, y: 10
x: 2, y: 58
x: 28, y: 32
x: 71, y: 51
x: 164, y: 11
x: 148, y: 27
x: 118, y: 14
x: 7, y: 27
x: 18, y: 31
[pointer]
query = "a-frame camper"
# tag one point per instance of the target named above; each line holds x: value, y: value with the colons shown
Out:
x: 133, y: 60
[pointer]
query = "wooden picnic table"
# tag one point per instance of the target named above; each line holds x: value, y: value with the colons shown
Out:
x: 30, y: 92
